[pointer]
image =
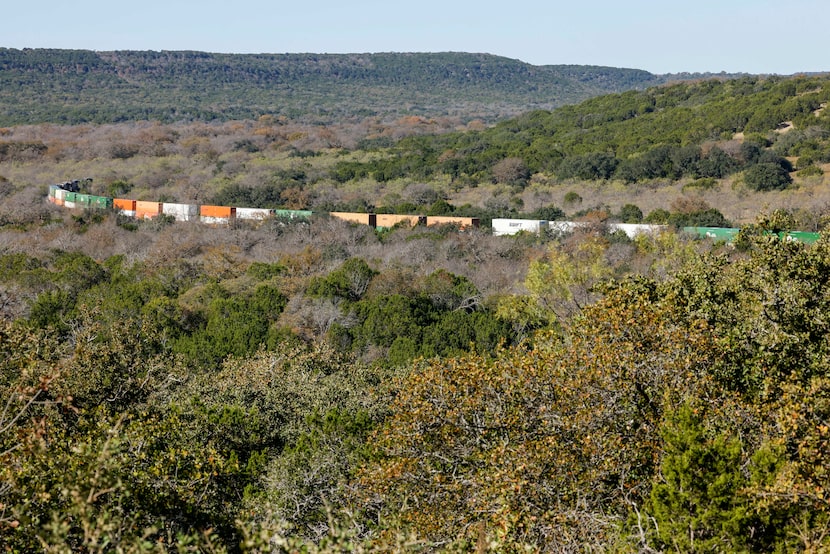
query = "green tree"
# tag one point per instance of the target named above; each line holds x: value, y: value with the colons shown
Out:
x: 349, y: 282
x: 698, y: 503
x: 717, y: 164
x: 767, y: 176
x: 630, y: 213
x: 562, y: 281
x: 548, y: 213
x: 657, y: 216
x: 441, y: 207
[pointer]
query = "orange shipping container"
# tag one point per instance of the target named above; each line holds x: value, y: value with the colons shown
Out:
x: 145, y: 210
x: 463, y: 222
x: 123, y: 204
x: 363, y: 219
x: 390, y: 220
x: 216, y: 211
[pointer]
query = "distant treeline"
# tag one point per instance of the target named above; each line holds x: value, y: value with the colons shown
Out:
x: 81, y: 86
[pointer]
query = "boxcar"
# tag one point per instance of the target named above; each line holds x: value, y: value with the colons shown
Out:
x: 354, y: 217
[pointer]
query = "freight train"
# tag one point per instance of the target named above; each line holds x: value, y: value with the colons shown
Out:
x: 61, y: 195
x: 68, y: 195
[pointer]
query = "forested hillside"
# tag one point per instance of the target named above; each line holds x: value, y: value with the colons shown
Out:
x: 708, y: 129
x: 79, y: 86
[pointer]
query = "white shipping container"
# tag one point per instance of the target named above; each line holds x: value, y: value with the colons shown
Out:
x: 634, y: 229
x: 68, y: 204
x: 253, y: 213
x: 60, y: 194
x: 513, y: 226
x: 564, y: 226
x: 182, y: 212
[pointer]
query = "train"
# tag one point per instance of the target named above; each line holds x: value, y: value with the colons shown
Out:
x: 68, y: 195
x: 62, y: 195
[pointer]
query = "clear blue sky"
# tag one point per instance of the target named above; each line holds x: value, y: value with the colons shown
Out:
x: 753, y: 36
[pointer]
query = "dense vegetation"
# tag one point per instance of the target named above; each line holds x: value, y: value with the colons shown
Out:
x: 79, y: 86
x: 682, y: 130
x: 261, y: 388
x: 322, y: 387
x: 686, y: 154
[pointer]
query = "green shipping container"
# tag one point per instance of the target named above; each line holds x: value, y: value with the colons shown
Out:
x: 292, y: 214
x: 83, y: 200
x: 800, y: 236
x: 717, y: 233
x: 101, y: 202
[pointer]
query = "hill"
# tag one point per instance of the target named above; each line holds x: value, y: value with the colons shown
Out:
x: 703, y: 129
x: 81, y: 86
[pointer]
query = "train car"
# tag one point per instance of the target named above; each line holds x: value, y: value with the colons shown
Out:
x: 56, y: 195
x: 564, y: 227
x: 717, y: 233
x: 217, y: 215
x: 462, y: 222
x: 359, y: 218
x: 124, y: 206
x: 292, y: 214
x: 502, y: 226
x: 100, y: 202
x: 83, y: 200
x: 147, y: 210
x: 257, y: 214
x: 800, y: 236
x: 92, y: 201
x: 70, y: 199
x: 635, y: 229
x: 60, y: 195
x: 387, y: 221
x: 180, y: 212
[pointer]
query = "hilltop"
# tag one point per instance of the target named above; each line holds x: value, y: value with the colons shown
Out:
x: 82, y: 86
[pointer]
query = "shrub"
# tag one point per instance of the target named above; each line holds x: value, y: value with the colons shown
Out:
x: 631, y: 213
x: 704, y: 183
x: 767, y: 176
x: 572, y: 198
x: 548, y: 213
x: 810, y: 171
x: 702, y: 218
x: 658, y: 216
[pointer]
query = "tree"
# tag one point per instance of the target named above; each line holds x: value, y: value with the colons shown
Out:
x: 441, y: 207
x: 767, y: 176
x: 789, y: 471
x: 717, y: 164
x: 590, y: 167
x: 631, y: 213
x: 511, y: 171
x: 544, y: 447
x: 698, y: 502
x: 572, y: 198
x: 658, y: 216
x: 562, y: 281
x: 548, y: 213
x: 349, y: 282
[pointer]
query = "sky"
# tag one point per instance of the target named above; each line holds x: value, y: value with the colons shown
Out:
x: 749, y: 36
